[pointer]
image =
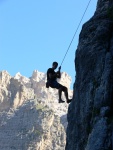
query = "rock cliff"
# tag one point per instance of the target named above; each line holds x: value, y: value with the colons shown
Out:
x: 90, y: 115
x: 30, y: 116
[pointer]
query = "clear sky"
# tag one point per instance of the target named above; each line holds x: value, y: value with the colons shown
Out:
x: 34, y: 33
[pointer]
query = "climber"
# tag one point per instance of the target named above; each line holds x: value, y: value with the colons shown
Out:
x: 52, y: 82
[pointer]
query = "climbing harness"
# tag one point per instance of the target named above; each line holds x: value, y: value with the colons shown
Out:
x: 75, y: 32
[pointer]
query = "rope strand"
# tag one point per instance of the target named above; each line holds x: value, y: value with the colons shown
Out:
x: 75, y: 32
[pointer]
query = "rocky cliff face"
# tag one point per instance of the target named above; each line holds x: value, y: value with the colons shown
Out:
x: 31, y: 127
x: 30, y: 116
x: 90, y: 115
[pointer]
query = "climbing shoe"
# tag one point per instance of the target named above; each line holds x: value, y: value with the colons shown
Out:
x: 61, y: 101
x: 69, y: 100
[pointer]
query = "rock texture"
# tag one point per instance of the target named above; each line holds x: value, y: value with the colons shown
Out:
x: 31, y: 127
x: 30, y: 116
x: 90, y: 115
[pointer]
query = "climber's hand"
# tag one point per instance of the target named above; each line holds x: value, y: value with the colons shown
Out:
x: 59, y: 68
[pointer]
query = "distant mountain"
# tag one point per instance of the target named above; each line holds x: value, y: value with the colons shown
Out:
x: 30, y: 115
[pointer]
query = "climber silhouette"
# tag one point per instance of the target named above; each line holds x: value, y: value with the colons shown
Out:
x: 52, y: 82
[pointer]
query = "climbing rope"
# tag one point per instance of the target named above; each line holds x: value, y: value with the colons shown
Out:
x: 75, y: 32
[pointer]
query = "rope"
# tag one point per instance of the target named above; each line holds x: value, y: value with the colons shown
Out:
x: 75, y: 32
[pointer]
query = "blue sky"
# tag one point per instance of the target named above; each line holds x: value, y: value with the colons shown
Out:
x: 35, y: 33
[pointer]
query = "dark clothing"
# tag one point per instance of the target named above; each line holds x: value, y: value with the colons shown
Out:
x: 50, y: 70
x: 52, y: 82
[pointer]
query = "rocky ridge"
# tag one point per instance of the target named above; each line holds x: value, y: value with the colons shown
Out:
x: 30, y: 115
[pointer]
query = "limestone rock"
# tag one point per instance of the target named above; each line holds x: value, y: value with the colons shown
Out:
x: 30, y: 115
x: 4, y: 78
x: 32, y: 126
x: 4, y: 93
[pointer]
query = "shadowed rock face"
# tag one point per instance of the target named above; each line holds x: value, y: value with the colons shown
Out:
x: 90, y: 115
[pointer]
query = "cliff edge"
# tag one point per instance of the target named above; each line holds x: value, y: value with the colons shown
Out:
x: 90, y: 115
